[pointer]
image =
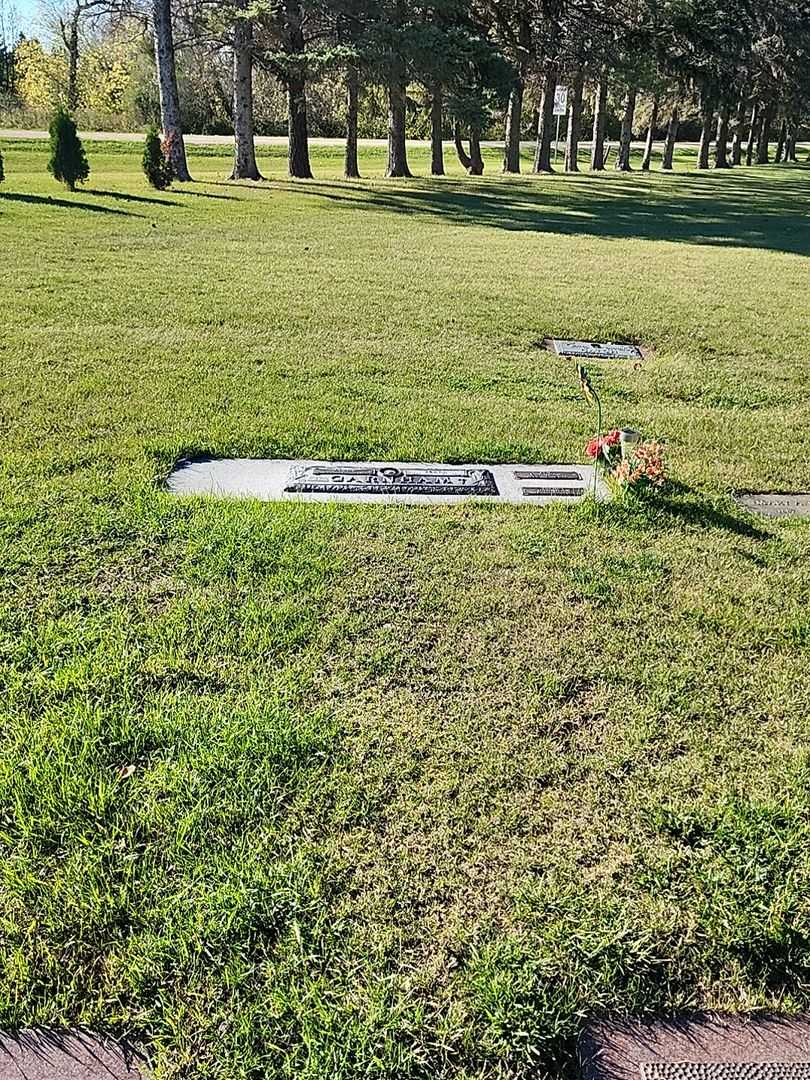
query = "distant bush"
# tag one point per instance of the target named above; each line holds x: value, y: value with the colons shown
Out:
x: 157, y: 168
x: 68, y: 161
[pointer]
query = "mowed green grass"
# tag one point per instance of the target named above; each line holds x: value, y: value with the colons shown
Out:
x: 340, y: 791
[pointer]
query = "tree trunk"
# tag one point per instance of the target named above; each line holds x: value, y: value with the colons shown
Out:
x: 296, y: 85
x: 671, y: 137
x: 574, y: 123
x: 436, y: 132
x: 626, y: 137
x: 463, y: 156
x: 545, y: 123
x: 244, y: 150
x: 472, y: 162
x: 721, y: 142
x: 167, y: 83
x: 764, y: 138
x: 351, y: 169
x: 753, y: 128
x: 514, y: 114
x: 397, y: 149
x: 646, y: 161
x: 790, y: 140
x: 298, y: 164
x: 514, y: 117
x: 70, y: 36
x: 739, y: 125
x: 707, y: 122
x: 475, y: 152
x: 780, y: 142
x: 599, y: 107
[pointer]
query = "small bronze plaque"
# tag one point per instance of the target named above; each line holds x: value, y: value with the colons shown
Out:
x: 390, y: 480
x: 569, y: 492
x: 548, y: 474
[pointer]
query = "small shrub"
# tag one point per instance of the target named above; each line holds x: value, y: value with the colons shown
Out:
x: 68, y: 161
x: 157, y: 168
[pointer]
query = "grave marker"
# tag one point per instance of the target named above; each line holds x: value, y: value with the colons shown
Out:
x: 556, y: 492
x: 389, y: 480
x: 698, y: 1046
x: 596, y: 350
x: 730, y: 1070
x: 546, y: 474
x: 77, y: 1054
x: 415, y: 483
x: 775, y: 504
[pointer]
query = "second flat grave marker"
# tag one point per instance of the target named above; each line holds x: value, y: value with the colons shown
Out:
x: 596, y: 350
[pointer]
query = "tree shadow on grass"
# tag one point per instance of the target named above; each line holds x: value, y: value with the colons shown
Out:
x: 124, y: 196
x: 681, y: 503
x: 726, y: 210
x: 206, y: 194
x: 233, y: 185
x: 48, y: 200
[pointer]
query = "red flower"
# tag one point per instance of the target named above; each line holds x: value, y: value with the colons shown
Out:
x: 604, y: 442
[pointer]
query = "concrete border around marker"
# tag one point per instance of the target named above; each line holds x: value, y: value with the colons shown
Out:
x: 267, y: 479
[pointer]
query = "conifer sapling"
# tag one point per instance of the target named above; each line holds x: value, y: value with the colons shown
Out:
x: 157, y: 166
x: 68, y: 161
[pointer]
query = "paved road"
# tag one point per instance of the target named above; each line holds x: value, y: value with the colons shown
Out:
x: 194, y: 140
x: 261, y: 140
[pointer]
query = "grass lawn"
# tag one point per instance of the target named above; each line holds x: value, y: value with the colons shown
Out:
x: 338, y: 791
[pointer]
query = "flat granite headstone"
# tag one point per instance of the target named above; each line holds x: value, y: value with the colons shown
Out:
x: 409, y: 482
x: 336, y: 479
x: 776, y: 504
x: 698, y: 1047
x: 76, y: 1054
x: 596, y: 350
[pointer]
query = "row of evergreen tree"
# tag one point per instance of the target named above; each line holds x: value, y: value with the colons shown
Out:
x: 743, y: 60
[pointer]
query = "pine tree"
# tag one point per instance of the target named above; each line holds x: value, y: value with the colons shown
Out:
x: 157, y: 168
x: 68, y: 161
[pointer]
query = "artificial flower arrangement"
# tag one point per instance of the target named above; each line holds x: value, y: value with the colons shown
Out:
x: 627, y: 460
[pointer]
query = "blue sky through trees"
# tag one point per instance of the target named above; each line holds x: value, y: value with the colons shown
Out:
x: 25, y: 15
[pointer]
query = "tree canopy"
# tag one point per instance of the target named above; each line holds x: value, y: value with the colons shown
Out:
x: 727, y: 71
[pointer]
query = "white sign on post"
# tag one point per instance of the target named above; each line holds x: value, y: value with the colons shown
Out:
x: 560, y: 100
x: 560, y: 109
